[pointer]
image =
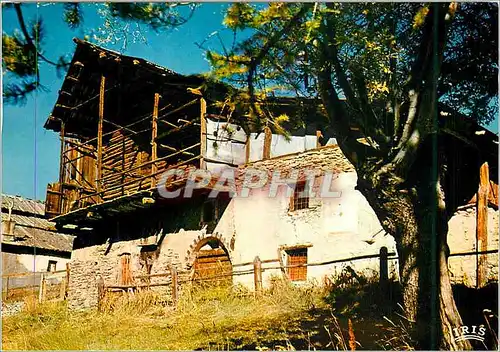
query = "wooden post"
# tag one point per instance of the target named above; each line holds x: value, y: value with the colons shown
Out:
x: 203, y: 133
x: 268, y: 136
x: 318, y: 135
x: 257, y: 274
x: 99, y: 139
x: 100, y: 294
x: 154, y: 134
x: 66, y: 287
x: 7, y: 288
x: 61, y: 169
x: 282, y: 266
x: 62, y: 289
x: 384, y: 269
x: 247, y: 150
x: 41, y: 290
x: 482, y: 224
x: 175, y: 285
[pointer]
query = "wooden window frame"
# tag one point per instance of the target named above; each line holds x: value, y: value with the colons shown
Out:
x: 295, y: 256
x: 52, y: 264
x: 298, y: 201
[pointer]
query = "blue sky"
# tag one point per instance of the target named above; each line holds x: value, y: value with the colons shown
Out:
x: 30, y: 153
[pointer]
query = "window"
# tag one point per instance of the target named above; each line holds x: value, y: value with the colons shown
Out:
x: 300, y: 198
x: 296, y: 257
x: 51, y: 266
x: 208, y: 211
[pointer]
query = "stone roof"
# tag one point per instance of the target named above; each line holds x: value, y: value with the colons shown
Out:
x: 23, y: 205
x: 327, y: 158
x: 31, y: 229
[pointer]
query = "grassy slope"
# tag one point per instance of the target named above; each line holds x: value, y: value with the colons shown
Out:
x: 284, y: 317
x: 214, y: 320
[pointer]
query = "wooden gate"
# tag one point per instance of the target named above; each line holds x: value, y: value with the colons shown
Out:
x: 213, y: 267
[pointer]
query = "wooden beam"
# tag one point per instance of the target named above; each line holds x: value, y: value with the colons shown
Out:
x: 61, y: 169
x: 247, y: 150
x: 158, y: 159
x: 154, y: 134
x: 170, y: 124
x: 61, y: 165
x: 119, y: 127
x: 268, y: 136
x: 174, y: 149
x: 203, y: 133
x: 179, y: 108
x: 167, y: 133
x: 144, y: 177
x: 99, y: 138
x: 482, y: 224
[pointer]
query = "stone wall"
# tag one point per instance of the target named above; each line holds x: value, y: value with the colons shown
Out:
x: 98, y: 253
x: 103, y: 260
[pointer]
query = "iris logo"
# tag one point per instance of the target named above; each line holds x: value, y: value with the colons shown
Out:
x: 473, y: 332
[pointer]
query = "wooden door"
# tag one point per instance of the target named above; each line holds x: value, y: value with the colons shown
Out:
x: 125, y: 273
x: 213, y: 267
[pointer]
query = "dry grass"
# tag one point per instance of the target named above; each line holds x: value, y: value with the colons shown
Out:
x: 283, y: 317
x: 217, y: 318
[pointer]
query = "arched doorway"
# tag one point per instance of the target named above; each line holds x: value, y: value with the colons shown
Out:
x: 212, y: 265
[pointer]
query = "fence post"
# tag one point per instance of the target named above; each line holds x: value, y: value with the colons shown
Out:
x: 175, y: 285
x: 41, y: 290
x: 66, y: 286
x: 7, y: 289
x: 257, y: 274
x: 100, y: 293
x: 384, y: 269
x: 62, y: 289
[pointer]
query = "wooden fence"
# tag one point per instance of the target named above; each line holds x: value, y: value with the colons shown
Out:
x: 46, y: 286
x: 50, y: 286
x: 175, y: 279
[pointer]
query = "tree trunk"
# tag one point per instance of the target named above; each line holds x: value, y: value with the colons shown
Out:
x: 416, y: 217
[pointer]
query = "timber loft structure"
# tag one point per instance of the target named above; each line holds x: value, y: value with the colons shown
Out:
x: 122, y: 122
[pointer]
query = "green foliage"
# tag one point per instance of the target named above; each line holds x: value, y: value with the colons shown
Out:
x: 158, y: 16
x: 73, y: 15
x: 17, y: 56
x: 239, y: 15
x: 377, y: 44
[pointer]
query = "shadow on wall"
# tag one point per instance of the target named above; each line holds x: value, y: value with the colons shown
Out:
x: 144, y: 224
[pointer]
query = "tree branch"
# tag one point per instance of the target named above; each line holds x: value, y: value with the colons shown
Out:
x: 26, y: 34
x: 338, y: 116
x: 368, y: 120
x: 422, y: 120
x: 255, y: 61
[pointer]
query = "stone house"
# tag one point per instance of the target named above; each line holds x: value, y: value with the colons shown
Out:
x: 126, y: 123
x: 30, y: 243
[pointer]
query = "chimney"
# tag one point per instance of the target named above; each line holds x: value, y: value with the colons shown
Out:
x: 8, y: 226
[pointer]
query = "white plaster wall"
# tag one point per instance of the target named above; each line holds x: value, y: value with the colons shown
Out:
x: 22, y: 263
x: 462, y: 238
x: 229, y: 150
x: 336, y: 228
x: 40, y: 262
